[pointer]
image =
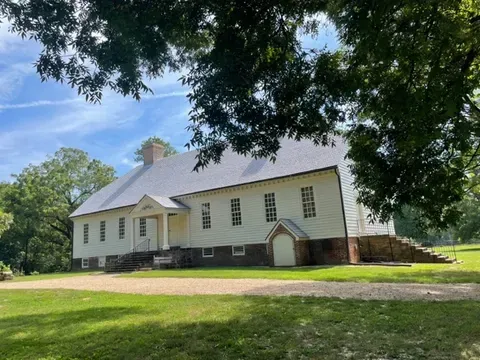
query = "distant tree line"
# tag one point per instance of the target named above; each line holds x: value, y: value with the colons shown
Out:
x: 36, y: 233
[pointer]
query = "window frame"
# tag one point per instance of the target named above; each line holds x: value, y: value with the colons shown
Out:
x: 238, y: 246
x: 267, y: 204
x: 208, y: 256
x: 86, y: 234
x: 206, y: 216
x: 307, y: 210
x: 236, y: 219
x: 121, y: 227
x: 103, y: 232
x: 140, y: 225
x: 83, y: 263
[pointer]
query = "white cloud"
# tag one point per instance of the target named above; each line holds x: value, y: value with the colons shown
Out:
x: 29, y: 130
x: 39, y: 103
x: 128, y: 162
x: 12, y: 78
x: 12, y: 44
x: 168, y: 79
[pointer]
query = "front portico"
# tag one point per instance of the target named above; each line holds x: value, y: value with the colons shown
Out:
x: 172, y: 219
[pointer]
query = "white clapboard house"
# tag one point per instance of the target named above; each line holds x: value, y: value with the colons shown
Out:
x: 299, y: 210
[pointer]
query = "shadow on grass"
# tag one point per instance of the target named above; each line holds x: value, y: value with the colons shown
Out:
x: 267, y: 328
x: 417, y: 277
x: 468, y: 250
x: 302, y: 269
x: 341, y: 273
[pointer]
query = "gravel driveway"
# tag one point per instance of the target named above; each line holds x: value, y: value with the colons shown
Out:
x: 186, y: 286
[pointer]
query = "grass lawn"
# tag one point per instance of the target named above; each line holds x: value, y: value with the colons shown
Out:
x: 52, y: 276
x: 65, y: 324
x: 468, y: 272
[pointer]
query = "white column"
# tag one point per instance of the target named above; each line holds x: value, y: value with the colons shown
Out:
x: 165, y: 232
x: 188, y: 229
x: 159, y: 229
x: 132, y: 233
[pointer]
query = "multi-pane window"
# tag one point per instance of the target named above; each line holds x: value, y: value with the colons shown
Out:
x: 207, y: 252
x: 236, y: 212
x: 102, y: 231
x: 308, y: 202
x: 85, y: 263
x: 270, y: 207
x: 121, y: 228
x: 143, y: 227
x: 85, y: 233
x: 238, y: 250
x: 206, y: 219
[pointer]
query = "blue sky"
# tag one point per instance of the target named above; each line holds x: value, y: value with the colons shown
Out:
x: 36, y: 118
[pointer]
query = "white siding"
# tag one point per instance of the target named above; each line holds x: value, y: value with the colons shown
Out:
x: 349, y: 198
x: 377, y: 228
x: 112, y: 245
x: 327, y: 224
x: 356, y: 215
x: 151, y: 232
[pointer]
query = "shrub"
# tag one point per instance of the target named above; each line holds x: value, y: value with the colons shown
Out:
x: 4, y: 267
x: 34, y: 273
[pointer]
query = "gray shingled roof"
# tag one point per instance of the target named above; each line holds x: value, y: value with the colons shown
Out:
x: 168, y: 203
x: 173, y: 176
x: 294, y: 228
x: 291, y: 226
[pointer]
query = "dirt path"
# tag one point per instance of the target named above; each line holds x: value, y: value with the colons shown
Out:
x: 183, y: 286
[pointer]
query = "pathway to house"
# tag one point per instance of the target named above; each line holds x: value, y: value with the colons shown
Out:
x: 186, y: 286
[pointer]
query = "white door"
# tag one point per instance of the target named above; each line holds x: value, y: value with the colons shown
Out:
x: 283, y: 250
x: 101, y: 261
x: 174, y: 230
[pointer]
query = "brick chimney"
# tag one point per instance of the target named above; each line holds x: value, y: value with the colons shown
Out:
x: 152, y: 153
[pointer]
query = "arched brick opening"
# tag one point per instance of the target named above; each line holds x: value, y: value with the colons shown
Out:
x: 300, y: 246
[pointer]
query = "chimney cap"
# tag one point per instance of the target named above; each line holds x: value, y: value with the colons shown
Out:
x: 153, y: 145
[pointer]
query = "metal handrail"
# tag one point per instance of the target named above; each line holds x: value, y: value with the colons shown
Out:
x: 142, y: 247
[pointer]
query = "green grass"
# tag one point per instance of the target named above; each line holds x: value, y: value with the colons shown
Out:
x: 52, y: 276
x: 97, y: 325
x: 468, y: 272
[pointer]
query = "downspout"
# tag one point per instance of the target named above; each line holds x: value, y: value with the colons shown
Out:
x: 343, y: 213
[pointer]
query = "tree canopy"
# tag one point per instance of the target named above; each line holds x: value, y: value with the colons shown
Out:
x: 5, y: 221
x: 40, y: 199
x: 403, y: 80
x: 169, y: 149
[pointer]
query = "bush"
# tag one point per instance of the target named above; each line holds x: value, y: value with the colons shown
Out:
x: 4, y: 267
x: 34, y: 273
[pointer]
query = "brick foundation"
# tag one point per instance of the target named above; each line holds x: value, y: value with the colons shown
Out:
x: 302, y: 252
x: 316, y: 252
x: 354, y: 249
x: 77, y: 264
x: 334, y: 251
x: 92, y: 262
x: 255, y: 255
x: 307, y: 252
